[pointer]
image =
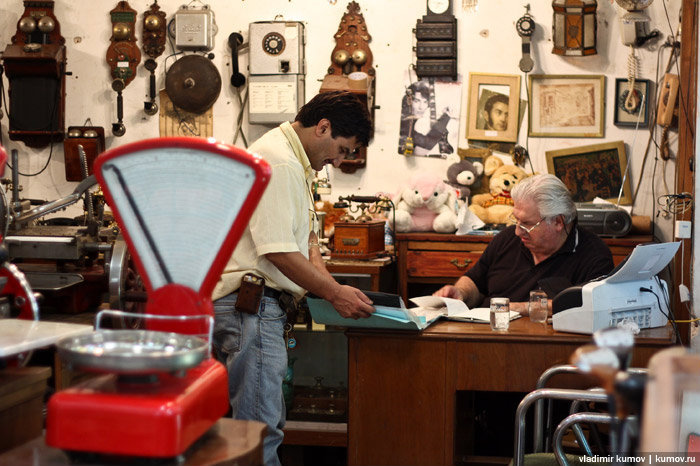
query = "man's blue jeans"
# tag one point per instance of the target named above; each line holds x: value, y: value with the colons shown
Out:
x: 252, y: 348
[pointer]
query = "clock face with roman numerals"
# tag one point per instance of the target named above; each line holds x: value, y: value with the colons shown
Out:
x: 438, y: 7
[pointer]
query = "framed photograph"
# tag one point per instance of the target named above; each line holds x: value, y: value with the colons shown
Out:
x: 632, y: 103
x: 571, y: 106
x: 592, y: 171
x: 494, y: 102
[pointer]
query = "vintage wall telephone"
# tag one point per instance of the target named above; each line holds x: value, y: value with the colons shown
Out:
x: 351, y: 69
x: 277, y: 71
x: 153, y: 38
x: 193, y: 83
x: 634, y: 24
x: 35, y: 65
x: 123, y: 56
x: 525, y: 26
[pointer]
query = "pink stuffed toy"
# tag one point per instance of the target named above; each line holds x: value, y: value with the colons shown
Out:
x: 425, y: 204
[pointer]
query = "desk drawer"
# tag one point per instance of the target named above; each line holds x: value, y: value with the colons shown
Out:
x: 439, y: 263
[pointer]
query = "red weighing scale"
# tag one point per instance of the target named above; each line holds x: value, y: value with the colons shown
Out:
x: 182, y: 205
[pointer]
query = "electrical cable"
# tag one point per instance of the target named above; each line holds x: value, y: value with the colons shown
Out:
x: 669, y: 315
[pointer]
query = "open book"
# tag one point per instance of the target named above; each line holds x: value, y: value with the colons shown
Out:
x: 392, y: 313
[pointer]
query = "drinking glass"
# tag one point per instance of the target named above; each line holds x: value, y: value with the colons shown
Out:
x: 537, y: 306
x: 500, y: 314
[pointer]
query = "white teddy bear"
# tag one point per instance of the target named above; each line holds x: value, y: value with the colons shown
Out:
x: 426, y: 203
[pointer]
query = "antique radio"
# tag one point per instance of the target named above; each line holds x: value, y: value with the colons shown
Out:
x: 363, y: 240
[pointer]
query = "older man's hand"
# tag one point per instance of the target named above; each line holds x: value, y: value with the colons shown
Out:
x: 450, y: 291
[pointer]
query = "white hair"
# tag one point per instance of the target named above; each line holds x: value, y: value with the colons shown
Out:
x: 549, y: 194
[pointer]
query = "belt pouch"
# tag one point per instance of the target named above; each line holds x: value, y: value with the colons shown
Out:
x: 250, y: 293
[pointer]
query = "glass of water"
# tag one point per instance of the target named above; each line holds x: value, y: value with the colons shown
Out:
x: 500, y: 314
x: 537, y: 307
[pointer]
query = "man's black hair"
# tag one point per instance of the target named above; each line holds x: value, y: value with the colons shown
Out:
x: 493, y: 99
x: 346, y: 112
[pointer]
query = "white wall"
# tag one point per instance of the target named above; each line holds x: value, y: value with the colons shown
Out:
x: 488, y: 43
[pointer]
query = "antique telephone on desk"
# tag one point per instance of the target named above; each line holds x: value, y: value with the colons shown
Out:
x: 361, y: 237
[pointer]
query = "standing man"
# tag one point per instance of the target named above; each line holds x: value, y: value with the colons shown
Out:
x: 545, y: 249
x: 278, y: 259
x: 496, y: 113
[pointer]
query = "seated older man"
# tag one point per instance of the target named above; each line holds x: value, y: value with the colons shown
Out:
x: 545, y: 249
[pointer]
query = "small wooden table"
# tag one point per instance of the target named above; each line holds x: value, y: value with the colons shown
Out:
x: 402, y: 386
x: 228, y: 442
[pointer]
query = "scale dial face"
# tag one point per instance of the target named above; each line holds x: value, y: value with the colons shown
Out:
x: 438, y: 7
x: 273, y: 43
x: 525, y: 26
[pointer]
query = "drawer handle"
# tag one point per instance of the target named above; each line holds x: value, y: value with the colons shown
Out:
x: 456, y: 263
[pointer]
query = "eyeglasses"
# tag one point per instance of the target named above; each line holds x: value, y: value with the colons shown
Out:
x: 518, y: 224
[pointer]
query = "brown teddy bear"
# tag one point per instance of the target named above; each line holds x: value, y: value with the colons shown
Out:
x: 497, y: 205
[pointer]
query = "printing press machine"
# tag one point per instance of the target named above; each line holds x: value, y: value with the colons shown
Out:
x: 73, y: 263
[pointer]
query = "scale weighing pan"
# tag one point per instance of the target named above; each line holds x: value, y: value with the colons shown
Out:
x: 182, y: 204
x: 133, y: 351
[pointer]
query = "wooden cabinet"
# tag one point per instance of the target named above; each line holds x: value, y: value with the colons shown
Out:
x: 438, y: 258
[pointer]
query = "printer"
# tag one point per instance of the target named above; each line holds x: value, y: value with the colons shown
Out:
x: 631, y: 292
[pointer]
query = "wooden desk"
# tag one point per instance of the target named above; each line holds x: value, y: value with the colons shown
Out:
x: 229, y: 442
x: 402, y: 386
x: 439, y: 258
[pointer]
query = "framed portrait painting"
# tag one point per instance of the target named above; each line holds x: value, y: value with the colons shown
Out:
x: 494, y: 102
x: 632, y: 102
x: 593, y: 171
x: 567, y: 106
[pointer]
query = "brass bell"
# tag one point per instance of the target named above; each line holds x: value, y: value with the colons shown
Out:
x: 340, y: 57
x: 27, y: 24
x: 46, y: 24
x: 359, y: 57
x: 90, y: 133
x: 74, y: 133
x: 152, y: 22
x: 121, y: 31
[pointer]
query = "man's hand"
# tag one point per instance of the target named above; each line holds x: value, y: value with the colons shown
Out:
x: 450, y: 291
x: 522, y: 308
x: 351, y: 303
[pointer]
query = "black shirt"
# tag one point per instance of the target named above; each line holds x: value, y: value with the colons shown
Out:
x: 507, y: 269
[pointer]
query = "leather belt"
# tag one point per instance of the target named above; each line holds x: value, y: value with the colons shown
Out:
x: 272, y: 293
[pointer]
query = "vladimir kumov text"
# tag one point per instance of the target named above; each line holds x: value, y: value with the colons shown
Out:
x: 652, y: 458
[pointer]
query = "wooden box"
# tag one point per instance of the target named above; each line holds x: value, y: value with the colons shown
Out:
x: 21, y: 404
x: 358, y: 240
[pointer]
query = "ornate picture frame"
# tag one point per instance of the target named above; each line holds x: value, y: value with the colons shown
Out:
x: 593, y: 171
x: 567, y: 106
x: 494, y: 103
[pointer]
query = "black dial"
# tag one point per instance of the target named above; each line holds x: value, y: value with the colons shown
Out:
x: 273, y: 43
x: 525, y: 26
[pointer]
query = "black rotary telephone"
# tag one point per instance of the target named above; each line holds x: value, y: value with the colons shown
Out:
x: 526, y: 27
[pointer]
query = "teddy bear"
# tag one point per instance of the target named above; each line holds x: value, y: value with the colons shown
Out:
x: 496, y: 206
x: 426, y: 203
x: 464, y: 175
